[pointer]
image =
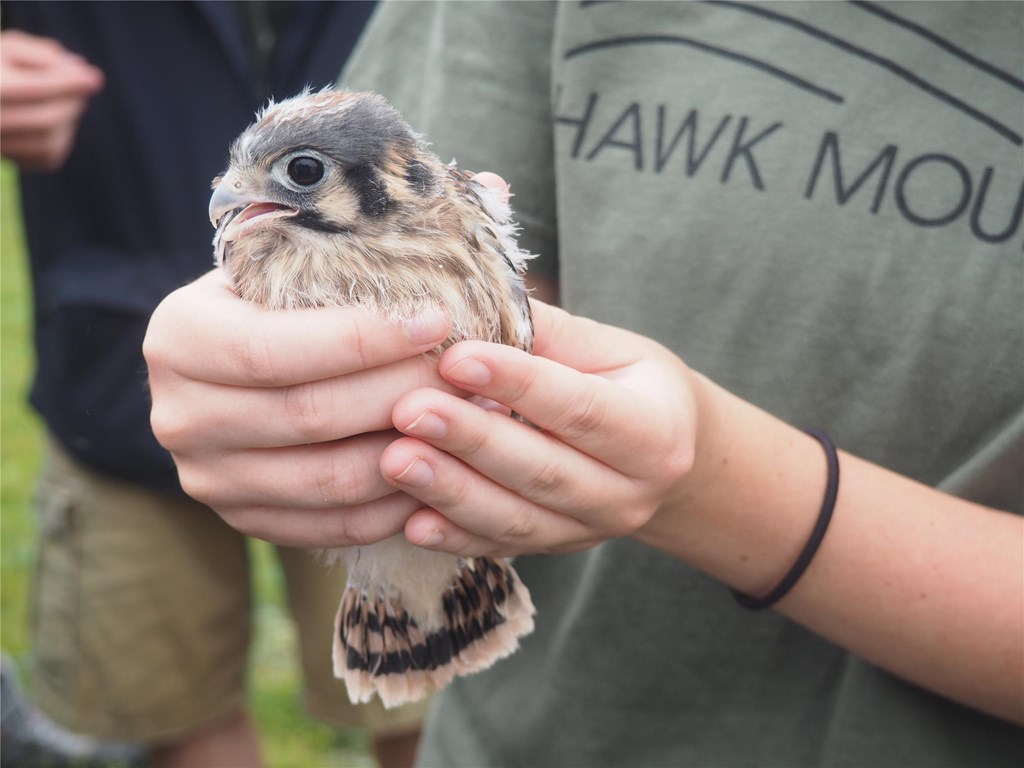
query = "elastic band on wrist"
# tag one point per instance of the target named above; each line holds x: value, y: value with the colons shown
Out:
x: 824, y: 518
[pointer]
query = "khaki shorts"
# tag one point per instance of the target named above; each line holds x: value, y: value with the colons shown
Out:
x: 143, y: 614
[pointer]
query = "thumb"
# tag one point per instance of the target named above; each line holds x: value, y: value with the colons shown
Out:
x: 582, y: 343
x: 493, y: 182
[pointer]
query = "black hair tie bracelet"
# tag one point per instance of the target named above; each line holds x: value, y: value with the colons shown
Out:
x: 824, y: 517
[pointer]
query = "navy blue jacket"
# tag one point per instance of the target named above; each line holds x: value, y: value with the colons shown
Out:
x: 124, y: 222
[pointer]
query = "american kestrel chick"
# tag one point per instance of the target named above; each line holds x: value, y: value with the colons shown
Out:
x: 330, y: 199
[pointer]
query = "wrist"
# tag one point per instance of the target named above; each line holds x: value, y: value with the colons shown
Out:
x: 745, y: 511
x: 671, y: 528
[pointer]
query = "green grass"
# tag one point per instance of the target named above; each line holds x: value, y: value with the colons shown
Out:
x: 290, y: 738
x: 20, y: 431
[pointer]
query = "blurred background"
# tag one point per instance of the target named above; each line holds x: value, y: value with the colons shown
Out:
x: 290, y: 738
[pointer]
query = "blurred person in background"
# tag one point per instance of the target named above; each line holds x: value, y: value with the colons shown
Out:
x: 119, y: 115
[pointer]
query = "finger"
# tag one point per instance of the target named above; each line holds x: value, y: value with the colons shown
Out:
x: 263, y: 417
x: 41, y: 117
x: 493, y: 182
x: 580, y: 343
x: 528, y: 462
x: 20, y: 47
x: 323, y: 476
x: 37, y: 153
x: 590, y: 413
x: 430, y: 529
x: 205, y: 332
x: 474, y: 502
x: 323, y: 528
x: 63, y: 79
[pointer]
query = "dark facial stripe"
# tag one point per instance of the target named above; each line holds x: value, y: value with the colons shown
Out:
x: 420, y: 179
x: 311, y: 219
x: 369, y: 187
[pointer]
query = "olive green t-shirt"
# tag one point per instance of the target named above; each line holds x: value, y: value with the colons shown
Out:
x: 819, y: 206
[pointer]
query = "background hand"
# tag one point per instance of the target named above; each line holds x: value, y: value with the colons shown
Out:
x: 44, y: 90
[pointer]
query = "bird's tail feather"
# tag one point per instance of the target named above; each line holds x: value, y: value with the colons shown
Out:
x: 380, y: 649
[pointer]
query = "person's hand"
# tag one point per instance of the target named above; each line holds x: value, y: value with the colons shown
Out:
x: 43, y: 91
x: 277, y: 420
x: 615, y: 430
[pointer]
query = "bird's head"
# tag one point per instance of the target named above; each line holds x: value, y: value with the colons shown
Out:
x: 328, y: 163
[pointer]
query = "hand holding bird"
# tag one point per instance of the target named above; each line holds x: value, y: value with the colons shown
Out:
x: 277, y: 420
x: 614, y: 425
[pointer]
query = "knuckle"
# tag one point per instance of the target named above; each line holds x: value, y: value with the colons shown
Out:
x: 634, y: 517
x: 451, y: 493
x: 678, y: 462
x: 197, y: 483
x: 550, y: 478
x: 358, y: 348
x: 451, y: 496
x: 581, y: 416
x: 675, y: 447
x: 473, y: 442
x: 254, y: 359
x: 335, y: 482
x: 519, y: 386
x: 521, y: 524
x: 158, y: 345
x: 168, y: 427
x: 152, y: 349
x: 367, y: 523
x: 306, y: 412
x: 425, y: 370
x: 343, y: 527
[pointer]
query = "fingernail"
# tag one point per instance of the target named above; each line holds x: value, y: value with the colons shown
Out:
x: 433, y: 539
x: 429, y: 425
x: 470, y: 371
x: 427, y: 327
x: 418, y: 474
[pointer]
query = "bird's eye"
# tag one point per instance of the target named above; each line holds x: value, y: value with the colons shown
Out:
x: 305, y: 171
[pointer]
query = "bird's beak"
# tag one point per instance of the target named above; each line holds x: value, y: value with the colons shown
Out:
x: 235, y: 213
x: 225, y: 199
